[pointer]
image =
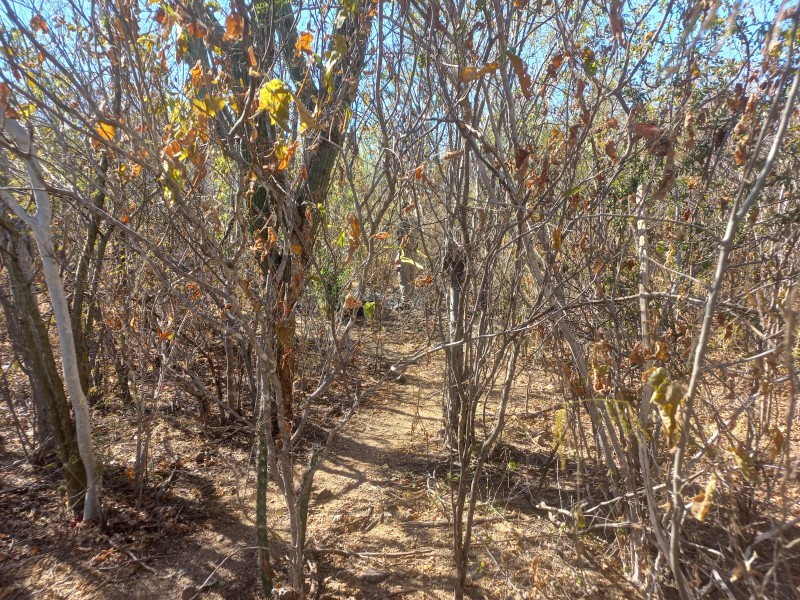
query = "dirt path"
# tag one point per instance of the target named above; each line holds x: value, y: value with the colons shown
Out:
x: 377, y: 495
x: 378, y: 524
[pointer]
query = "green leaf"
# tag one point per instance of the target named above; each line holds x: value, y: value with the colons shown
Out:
x: 589, y: 61
x: 334, y: 55
x: 369, y: 309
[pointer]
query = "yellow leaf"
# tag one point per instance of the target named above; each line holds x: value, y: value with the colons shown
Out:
x: 667, y: 396
x: 744, y: 462
x: 105, y: 130
x: 701, y: 503
x: 306, y: 118
x: 274, y: 98
x: 210, y: 105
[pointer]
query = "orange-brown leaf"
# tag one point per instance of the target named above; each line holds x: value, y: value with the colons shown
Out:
x: 611, y: 149
x: 197, y: 74
x: 303, y: 43
x: 636, y: 357
x: 521, y: 72
x: 555, y: 65
x: 471, y: 73
x: 172, y: 149
x: 38, y: 24
x: 355, y: 230
x: 423, y: 281
x: 234, y: 26
x: 556, y: 239
x: 196, y: 30
x: 646, y: 130
x: 351, y: 302
x: 740, y: 153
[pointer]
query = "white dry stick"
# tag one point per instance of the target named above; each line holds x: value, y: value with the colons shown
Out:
x: 17, y: 137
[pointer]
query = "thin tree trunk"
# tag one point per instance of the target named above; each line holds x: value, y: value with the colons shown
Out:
x: 38, y: 354
x: 40, y: 223
x: 262, y: 484
x: 69, y: 360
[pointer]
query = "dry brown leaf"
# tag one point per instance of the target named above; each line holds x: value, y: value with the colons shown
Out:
x: 646, y: 130
x: 423, y: 281
x: 636, y: 357
x: 617, y: 24
x: 556, y: 239
x: 351, y: 302
x: 234, y: 26
x: 521, y: 72
x: 472, y: 73
x: 611, y: 149
x: 740, y: 153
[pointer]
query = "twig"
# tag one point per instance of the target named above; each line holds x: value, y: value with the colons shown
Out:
x: 132, y: 556
x: 208, y: 579
x: 418, y: 552
x: 448, y: 523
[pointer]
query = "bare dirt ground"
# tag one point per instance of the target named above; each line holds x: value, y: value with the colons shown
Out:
x: 378, y: 525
